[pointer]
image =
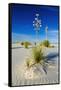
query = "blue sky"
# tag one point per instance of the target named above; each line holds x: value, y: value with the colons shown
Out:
x: 22, y: 22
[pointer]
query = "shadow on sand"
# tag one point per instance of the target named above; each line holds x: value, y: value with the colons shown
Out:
x: 21, y: 47
x: 49, y: 59
x: 51, y: 56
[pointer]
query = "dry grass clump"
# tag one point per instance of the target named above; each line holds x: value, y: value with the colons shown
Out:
x: 25, y: 44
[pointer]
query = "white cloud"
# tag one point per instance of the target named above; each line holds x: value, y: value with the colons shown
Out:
x: 52, y: 36
x: 53, y: 31
x: 22, y: 37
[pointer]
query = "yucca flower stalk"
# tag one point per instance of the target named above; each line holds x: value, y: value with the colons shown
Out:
x: 37, y: 24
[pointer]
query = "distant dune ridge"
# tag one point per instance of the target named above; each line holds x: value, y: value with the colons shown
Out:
x: 18, y: 45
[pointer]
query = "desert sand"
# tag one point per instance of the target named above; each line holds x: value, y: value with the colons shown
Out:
x: 23, y: 76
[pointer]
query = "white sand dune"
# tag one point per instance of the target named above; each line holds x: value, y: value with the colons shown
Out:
x: 35, y: 75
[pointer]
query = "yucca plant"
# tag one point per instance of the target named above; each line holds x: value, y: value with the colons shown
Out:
x: 46, y: 43
x: 22, y: 43
x: 25, y: 44
x: 37, y: 55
